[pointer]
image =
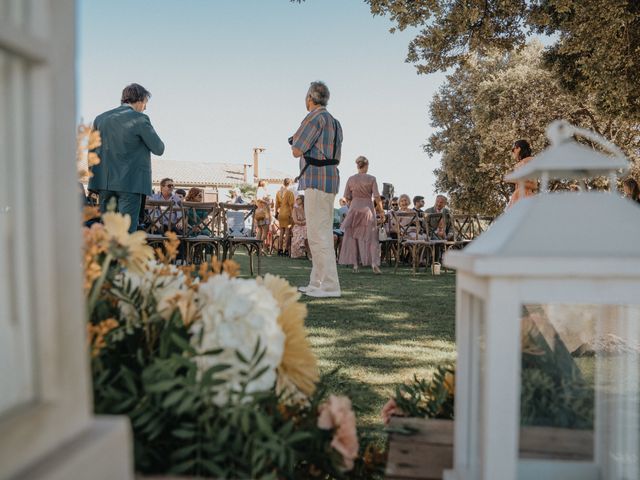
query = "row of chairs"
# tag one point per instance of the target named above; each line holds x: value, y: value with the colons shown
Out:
x: 211, y: 228
x: 415, y: 237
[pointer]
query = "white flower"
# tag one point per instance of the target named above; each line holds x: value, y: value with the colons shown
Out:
x: 235, y: 314
x: 165, y: 283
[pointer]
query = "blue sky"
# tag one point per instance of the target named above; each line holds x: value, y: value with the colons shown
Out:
x: 228, y: 75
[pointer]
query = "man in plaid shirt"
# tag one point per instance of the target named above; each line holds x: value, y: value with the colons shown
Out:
x: 319, y: 139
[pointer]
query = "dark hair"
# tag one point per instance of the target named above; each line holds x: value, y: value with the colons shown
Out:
x: 417, y: 198
x: 525, y: 148
x: 181, y: 191
x: 635, y: 190
x: 134, y: 93
x: 164, y: 181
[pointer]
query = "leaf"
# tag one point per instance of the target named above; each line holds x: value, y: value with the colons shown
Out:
x: 183, y: 433
x: 184, y: 467
x: 161, y: 386
x: 173, y: 398
x: 182, y: 343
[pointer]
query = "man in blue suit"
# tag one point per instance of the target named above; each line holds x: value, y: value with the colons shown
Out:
x: 128, y: 139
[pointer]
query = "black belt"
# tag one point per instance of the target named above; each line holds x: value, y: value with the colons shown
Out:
x: 316, y: 163
x: 321, y: 163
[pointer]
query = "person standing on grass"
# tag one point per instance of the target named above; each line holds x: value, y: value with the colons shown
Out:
x: 521, y: 153
x: 360, y: 244
x: 127, y: 141
x: 318, y: 144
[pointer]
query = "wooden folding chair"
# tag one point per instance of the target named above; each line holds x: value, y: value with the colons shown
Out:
x: 158, y: 218
x: 239, y: 231
x: 407, y: 228
x: 201, y: 230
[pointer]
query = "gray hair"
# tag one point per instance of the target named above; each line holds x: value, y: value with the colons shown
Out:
x: 319, y: 93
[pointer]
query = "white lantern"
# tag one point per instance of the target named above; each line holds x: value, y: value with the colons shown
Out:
x: 548, y: 329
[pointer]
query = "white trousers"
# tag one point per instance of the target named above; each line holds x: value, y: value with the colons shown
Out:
x: 318, y: 207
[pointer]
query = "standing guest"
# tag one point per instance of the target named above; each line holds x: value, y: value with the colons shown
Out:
x: 262, y: 217
x: 261, y: 191
x: 631, y: 189
x: 128, y: 139
x: 521, y: 153
x: 299, y: 231
x: 284, y: 207
x: 360, y: 245
x: 318, y: 144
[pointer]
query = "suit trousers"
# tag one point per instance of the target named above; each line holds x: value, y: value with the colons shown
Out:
x: 318, y: 206
x: 126, y: 203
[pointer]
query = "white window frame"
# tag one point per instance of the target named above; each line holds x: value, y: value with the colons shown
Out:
x: 52, y: 252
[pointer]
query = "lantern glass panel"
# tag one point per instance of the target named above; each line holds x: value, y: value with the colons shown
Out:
x: 579, y: 381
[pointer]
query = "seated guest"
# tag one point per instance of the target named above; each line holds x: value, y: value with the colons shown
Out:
x: 439, y: 223
x: 404, y: 206
x: 418, y: 204
x: 339, y: 214
x: 197, y: 216
x: 393, y: 204
x: 180, y: 194
x: 299, y: 232
x: 166, y: 194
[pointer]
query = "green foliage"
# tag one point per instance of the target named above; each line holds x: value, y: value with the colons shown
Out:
x: 489, y: 102
x: 248, y: 191
x: 428, y: 398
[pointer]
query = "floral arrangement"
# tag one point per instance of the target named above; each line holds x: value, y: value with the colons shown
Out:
x: 432, y: 398
x: 214, y: 371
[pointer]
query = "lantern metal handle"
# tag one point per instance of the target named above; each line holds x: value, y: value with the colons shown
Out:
x: 560, y: 131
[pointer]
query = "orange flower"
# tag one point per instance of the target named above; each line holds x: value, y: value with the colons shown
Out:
x: 336, y: 414
x: 96, y: 334
x: 450, y: 383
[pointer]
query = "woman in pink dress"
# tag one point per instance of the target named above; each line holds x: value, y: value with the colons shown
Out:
x: 360, y: 244
x: 521, y: 152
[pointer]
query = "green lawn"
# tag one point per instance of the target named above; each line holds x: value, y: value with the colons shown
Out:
x: 381, y: 331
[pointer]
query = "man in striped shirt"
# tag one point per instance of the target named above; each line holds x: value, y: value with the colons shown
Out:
x: 318, y: 144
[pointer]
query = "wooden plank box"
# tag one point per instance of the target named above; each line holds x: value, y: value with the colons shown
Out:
x: 426, y: 453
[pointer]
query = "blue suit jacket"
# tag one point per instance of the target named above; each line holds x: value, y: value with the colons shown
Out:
x: 128, y: 139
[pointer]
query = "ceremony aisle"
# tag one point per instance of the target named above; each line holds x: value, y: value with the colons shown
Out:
x: 382, y: 331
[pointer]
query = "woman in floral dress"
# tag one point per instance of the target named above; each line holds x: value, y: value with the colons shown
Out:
x: 299, y: 231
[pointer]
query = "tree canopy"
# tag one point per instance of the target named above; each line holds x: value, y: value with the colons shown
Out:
x: 595, y: 49
x: 490, y: 101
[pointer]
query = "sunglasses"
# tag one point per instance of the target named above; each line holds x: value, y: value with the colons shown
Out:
x: 169, y: 185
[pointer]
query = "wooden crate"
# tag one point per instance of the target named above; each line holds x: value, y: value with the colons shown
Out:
x: 427, y: 452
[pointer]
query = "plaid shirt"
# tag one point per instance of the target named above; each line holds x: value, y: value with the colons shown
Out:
x: 315, y: 138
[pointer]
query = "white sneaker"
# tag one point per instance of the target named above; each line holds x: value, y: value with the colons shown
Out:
x: 307, y: 288
x: 317, y: 293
